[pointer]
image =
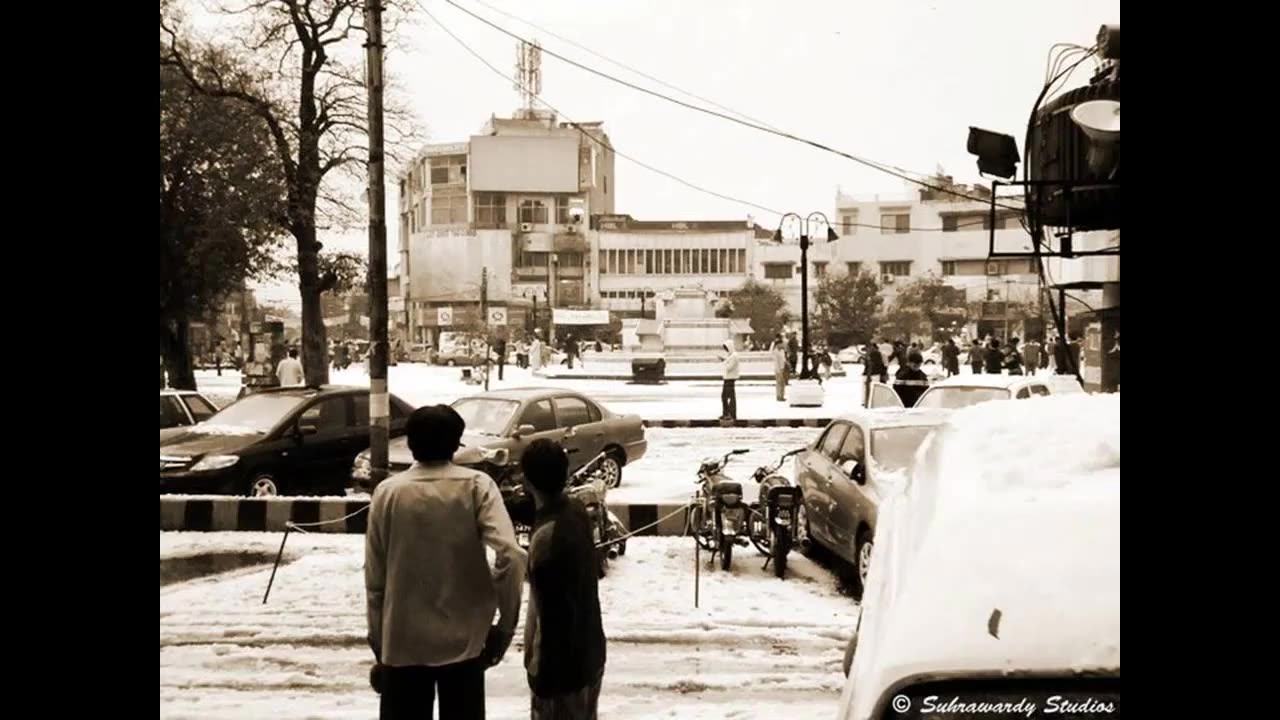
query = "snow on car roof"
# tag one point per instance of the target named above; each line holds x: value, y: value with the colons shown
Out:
x: 1006, y: 550
x: 524, y: 393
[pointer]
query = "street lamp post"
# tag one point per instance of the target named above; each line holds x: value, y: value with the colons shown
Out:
x: 806, y: 371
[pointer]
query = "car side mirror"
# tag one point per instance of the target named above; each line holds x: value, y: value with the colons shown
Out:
x: 854, y: 469
x: 305, y: 429
x: 524, y: 430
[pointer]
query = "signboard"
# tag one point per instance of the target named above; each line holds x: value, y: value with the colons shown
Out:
x: 581, y: 317
x: 444, y: 316
x: 498, y: 316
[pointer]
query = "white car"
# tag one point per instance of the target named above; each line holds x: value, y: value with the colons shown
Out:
x: 851, y: 355
x: 995, y: 574
x: 964, y: 390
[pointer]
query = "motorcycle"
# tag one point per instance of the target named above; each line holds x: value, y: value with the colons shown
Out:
x: 717, y: 516
x: 773, y: 517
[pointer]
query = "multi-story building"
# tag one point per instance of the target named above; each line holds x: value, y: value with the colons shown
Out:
x: 511, y: 205
x: 635, y: 259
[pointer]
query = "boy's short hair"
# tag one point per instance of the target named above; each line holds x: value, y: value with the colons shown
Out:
x: 434, y: 433
x: 546, y: 466
x: 293, y: 352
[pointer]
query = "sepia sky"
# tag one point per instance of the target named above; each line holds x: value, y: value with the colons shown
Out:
x: 898, y: 82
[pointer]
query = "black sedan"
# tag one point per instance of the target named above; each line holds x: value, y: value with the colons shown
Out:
x: 289, y: 441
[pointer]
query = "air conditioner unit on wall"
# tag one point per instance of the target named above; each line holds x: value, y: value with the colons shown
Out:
x: 887, y: 279
x: 526, y: 227
x: 993, y: 268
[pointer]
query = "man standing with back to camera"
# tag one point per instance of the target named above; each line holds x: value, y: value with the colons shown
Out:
x: 431, y: 596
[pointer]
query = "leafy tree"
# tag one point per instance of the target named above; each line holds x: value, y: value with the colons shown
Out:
x: 848, y: 308
x: 759, y: 303
x: 920, y: 306
x: 299, y: 78
x: 219, y: 209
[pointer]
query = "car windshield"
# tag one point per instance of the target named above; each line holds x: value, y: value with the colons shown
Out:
x: 953, y: 397
x: 894, y: 448
x: 486, y: 416
x: 254, y: 413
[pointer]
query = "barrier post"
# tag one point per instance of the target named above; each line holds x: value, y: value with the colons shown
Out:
x: 697, y: 570
x: 279, y: 555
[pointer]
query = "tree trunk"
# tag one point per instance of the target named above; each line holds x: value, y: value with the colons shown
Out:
x: 175, y: 343
x: 315, y: 345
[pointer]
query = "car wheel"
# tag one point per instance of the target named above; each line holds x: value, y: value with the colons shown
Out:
x: 863, y: 556
x: 611, y: 471
x: 804, y: 537
x: 264, y: 485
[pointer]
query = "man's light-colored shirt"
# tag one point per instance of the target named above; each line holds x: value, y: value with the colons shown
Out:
x: 290, y: 372
x: 431, y: 594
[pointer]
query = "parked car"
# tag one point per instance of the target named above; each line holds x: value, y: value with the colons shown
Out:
x: 850, y: 355
x: 845, y: 472
x: 282, y: 441
x: 964, y: 390
x: 183, y: 408
x: 417, y: 353
x: 511, y: 419
x: 997, y: 575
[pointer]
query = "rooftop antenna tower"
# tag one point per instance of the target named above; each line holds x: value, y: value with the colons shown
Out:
x: 528, y: 77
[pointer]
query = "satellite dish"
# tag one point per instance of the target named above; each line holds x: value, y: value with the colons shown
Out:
x: 1099, y: 119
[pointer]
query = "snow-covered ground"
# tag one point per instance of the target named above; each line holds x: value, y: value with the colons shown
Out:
x: 757, y: 647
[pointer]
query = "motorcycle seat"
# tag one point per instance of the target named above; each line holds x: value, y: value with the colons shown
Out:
x: 728, y: 487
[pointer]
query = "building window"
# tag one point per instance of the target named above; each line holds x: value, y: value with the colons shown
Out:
x: 562, y: 210
x: 853, y: 268
x: 948, y: 266
x: 680, y: 256
x: 949, y: 223
x: 533, y: 212
x: 997, y: 267
x: 895, y: 223
x: 448, y: 208
x: 668, y: 262
x: 448, y: 169
x: 606, y: 184
x: 491, y: 209
x: 569, y: 260
x: 532, y: 259
x: 819, y: 269
x: 778, y: 271
x: 901, y: 268
x: 742, y: 260
x: 705, y: 267
x: 849, y: 223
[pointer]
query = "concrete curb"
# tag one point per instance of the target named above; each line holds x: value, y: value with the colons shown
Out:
x: 205, y: 513
x: 749, y: 423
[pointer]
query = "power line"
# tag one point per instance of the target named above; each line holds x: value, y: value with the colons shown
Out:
x: 862, y: 161
x: 586, y: 134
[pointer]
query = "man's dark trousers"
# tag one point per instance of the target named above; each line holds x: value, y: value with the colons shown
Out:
x: 411, y: 691
x: 729, y: 400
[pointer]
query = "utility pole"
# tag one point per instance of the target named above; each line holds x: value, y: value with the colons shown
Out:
x: 379, y: 401
x: 484, y: 314
x: 1007, y: 283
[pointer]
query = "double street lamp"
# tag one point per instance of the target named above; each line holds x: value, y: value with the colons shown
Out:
x: 806, y: 371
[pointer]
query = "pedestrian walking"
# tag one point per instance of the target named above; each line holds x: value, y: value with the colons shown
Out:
x: 564, y: 642
x: 289, y: 371
x: 873, y: 368
x: 976, y: 356
x: 1013, y: 360
x: 910, y: 381
x: 1062, y: 357
x: 951, y: 358
x: 793, y: 352
x: 993, y: 358
x: 535, y: 351
x: 729, y: 392
x: 1031, y: 356
x: 430, y: 592
x: 781, y: 368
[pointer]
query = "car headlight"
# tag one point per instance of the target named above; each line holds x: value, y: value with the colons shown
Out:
x: 215, y: 462
x: 362, y: 468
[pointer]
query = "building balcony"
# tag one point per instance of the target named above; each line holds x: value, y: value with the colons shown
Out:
x: 527, y: 273
x: 570, y: 243
x: 570, y: 272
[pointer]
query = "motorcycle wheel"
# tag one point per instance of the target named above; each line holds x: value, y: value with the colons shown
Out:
x: 696, y: 522
x: 726, y: 553
x: 760, y: 531
x: 781, y: 548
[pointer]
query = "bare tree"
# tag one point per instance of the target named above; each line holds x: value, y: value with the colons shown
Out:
x: 300, y: 73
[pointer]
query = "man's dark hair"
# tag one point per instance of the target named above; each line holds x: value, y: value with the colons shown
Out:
x: 434, y: 432
x: 995, y: 342
x: 293, y: 352
x: 546, y: 466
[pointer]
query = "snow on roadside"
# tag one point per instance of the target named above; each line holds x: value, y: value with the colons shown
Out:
x: 755, y: 647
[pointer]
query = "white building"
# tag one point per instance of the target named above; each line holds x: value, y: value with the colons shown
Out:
x: 511, y: 203
x: 635, y: 259
x: 902, y: 237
